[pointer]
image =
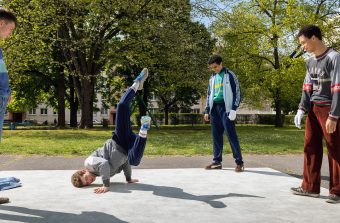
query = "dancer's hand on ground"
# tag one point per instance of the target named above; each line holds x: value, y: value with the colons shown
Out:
x: 330, y: 126
x: 101, y: 190
x: 132, y: 181
x: 206, y: 117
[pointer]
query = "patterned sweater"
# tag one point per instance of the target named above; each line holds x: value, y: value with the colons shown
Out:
x: 322, y: 83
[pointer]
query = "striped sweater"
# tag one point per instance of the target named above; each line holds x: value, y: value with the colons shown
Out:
x: 4, y: 80
x: 322, y: 83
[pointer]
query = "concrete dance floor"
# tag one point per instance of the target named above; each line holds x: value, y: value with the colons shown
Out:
x: 165, y: 195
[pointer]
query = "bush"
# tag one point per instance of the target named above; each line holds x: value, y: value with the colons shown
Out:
x: 186, y: 118
x: 268, y: 119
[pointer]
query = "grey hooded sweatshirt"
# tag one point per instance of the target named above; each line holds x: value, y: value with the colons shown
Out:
x: 107, y: 161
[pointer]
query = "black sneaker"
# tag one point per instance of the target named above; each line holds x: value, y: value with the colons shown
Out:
x: 333, y: 199
x: 302, y: 192
x: 214, y: 166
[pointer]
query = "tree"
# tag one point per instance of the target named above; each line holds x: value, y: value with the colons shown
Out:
x: 90, y: 34
x: 181, y: 73
x: 35, y: 65
x: 175, y: 50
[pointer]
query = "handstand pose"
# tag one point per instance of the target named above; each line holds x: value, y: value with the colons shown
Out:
x: 124, y: 148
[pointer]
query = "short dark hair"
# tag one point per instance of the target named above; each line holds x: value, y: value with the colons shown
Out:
x: 215, y: 59
x: 309, y: 31
x: 8, y: 16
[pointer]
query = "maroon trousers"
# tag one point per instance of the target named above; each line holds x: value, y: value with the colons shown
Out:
x: 313, y: 151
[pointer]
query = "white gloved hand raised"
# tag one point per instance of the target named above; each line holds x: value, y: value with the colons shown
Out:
x: 298, y: 117
x: 232, y: 115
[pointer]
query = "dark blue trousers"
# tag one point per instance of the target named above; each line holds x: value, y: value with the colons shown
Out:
x: 220, y: 123
x: 123, y: 135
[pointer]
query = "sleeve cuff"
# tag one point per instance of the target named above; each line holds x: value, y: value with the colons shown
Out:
x: 333, y: 118
x: 106, y: 183
x: 302, y: 108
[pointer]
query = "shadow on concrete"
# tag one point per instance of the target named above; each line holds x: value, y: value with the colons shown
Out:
x: 267, y: 173
x: 177, y: 193
x: 44, y: 216
x: 326, y: 178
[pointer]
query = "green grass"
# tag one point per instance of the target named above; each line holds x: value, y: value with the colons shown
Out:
x: 172, y: 140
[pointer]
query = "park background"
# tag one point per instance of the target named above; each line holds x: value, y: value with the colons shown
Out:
x: 64, y: 53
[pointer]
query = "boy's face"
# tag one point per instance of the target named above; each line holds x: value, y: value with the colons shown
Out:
x: 87, y: 178
x: 216, y: 67
x: 6, y: 29
x: 308, y: 44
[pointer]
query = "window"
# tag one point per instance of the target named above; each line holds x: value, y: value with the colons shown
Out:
x: 32, y: 111
x: 153, y: 97
x: 55, y: 112
x: 43, y: 111
x: 103, y: 111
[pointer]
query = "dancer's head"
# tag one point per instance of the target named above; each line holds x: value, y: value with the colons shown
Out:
x: 82, y: 178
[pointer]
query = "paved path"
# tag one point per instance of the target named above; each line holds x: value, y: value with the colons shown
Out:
x: 290, y: 164
x: 165, y: 195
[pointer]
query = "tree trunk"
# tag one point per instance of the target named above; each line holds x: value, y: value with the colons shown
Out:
x: 61, y: 101
x: 74, y: 104
x: 277, y: 96
x: 166, y: 115
x: 278, y: 115
x: 144, y: 102
x: 86, y: 103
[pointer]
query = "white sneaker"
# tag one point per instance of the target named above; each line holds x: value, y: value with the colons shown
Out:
x: 141, y: 78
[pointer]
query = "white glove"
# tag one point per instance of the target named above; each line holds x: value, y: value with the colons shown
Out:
x: 298, y: 117
x: 232, y: 115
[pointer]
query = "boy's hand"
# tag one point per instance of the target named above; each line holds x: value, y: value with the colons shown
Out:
x: 330, y: 126
x: 206, y: 117
x: 101, y: 190
x: 132, y: 181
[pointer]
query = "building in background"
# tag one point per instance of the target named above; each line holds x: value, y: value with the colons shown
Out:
x: 44, y: 114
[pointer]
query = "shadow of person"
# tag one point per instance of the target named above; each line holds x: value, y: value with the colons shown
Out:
x: 270, y: 173
x: 177, y: 193
x: 325, y: 178
x: 45, y: 216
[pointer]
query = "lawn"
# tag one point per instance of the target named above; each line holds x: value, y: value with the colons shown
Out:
x: 172, y: 140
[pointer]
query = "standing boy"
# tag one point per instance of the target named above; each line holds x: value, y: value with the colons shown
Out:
x: 8, y: 22
x: 321, y: 100
x: 222, y: 101
x: 124, y: 148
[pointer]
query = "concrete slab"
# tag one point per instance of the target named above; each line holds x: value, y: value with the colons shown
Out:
x: 165, y: 195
